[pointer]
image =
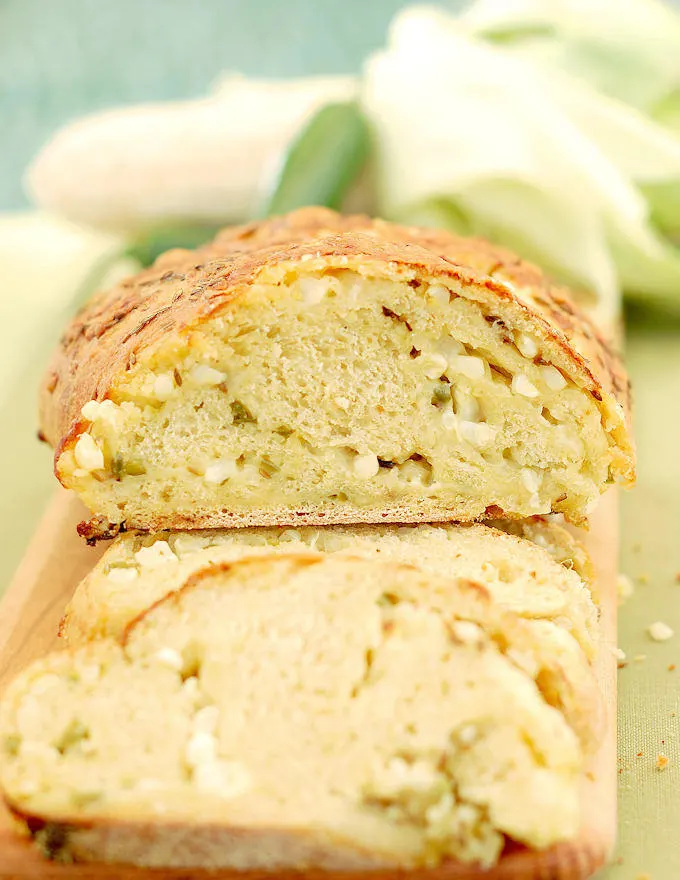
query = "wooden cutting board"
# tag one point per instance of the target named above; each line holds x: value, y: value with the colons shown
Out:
x: 29, y: 616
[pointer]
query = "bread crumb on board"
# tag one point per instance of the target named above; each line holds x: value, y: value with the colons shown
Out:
x: 620, y: 655
x: 660, y: 631
x: 624, y: 587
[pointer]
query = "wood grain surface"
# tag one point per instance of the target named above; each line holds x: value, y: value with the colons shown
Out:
x: 29, y: 617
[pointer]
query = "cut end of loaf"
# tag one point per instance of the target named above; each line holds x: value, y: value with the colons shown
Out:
x: 348, y: 394
x: 138, y: 569
x: 407, y: 729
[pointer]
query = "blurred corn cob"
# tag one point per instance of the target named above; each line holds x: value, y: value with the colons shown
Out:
x: 552, y: 128
x: 208, y: 160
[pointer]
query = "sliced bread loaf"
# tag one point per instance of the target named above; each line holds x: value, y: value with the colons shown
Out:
x: 296, y: 711
x: 316, y: 369
x: 546, y: 577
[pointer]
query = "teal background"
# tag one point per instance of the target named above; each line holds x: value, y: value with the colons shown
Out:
x: 60, y: 59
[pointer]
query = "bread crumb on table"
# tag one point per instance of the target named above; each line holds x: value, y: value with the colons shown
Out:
x: 624, y: 587
x: 660, y: 631
x: 661, y: 761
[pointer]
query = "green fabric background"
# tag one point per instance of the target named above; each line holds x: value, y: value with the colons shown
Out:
x: 61, y: 58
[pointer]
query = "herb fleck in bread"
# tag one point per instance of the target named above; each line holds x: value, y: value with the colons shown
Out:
x: 316, y: 712
x: 315, y: 369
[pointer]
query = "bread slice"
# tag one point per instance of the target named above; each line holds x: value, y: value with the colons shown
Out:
x: 560, y: 543
x: 295, y: 711
x: 138, y: 570
x: 316, y: 369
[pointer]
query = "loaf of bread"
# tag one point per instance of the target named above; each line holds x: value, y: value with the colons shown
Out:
x: 315, y: 369
x: 295, y: 712
x: 138, y: 570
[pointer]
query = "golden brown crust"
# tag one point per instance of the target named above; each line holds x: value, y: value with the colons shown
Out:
x: 184, y: 288
x: 98, y: 528
x: 81, y: 841
x: 169, y: 844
